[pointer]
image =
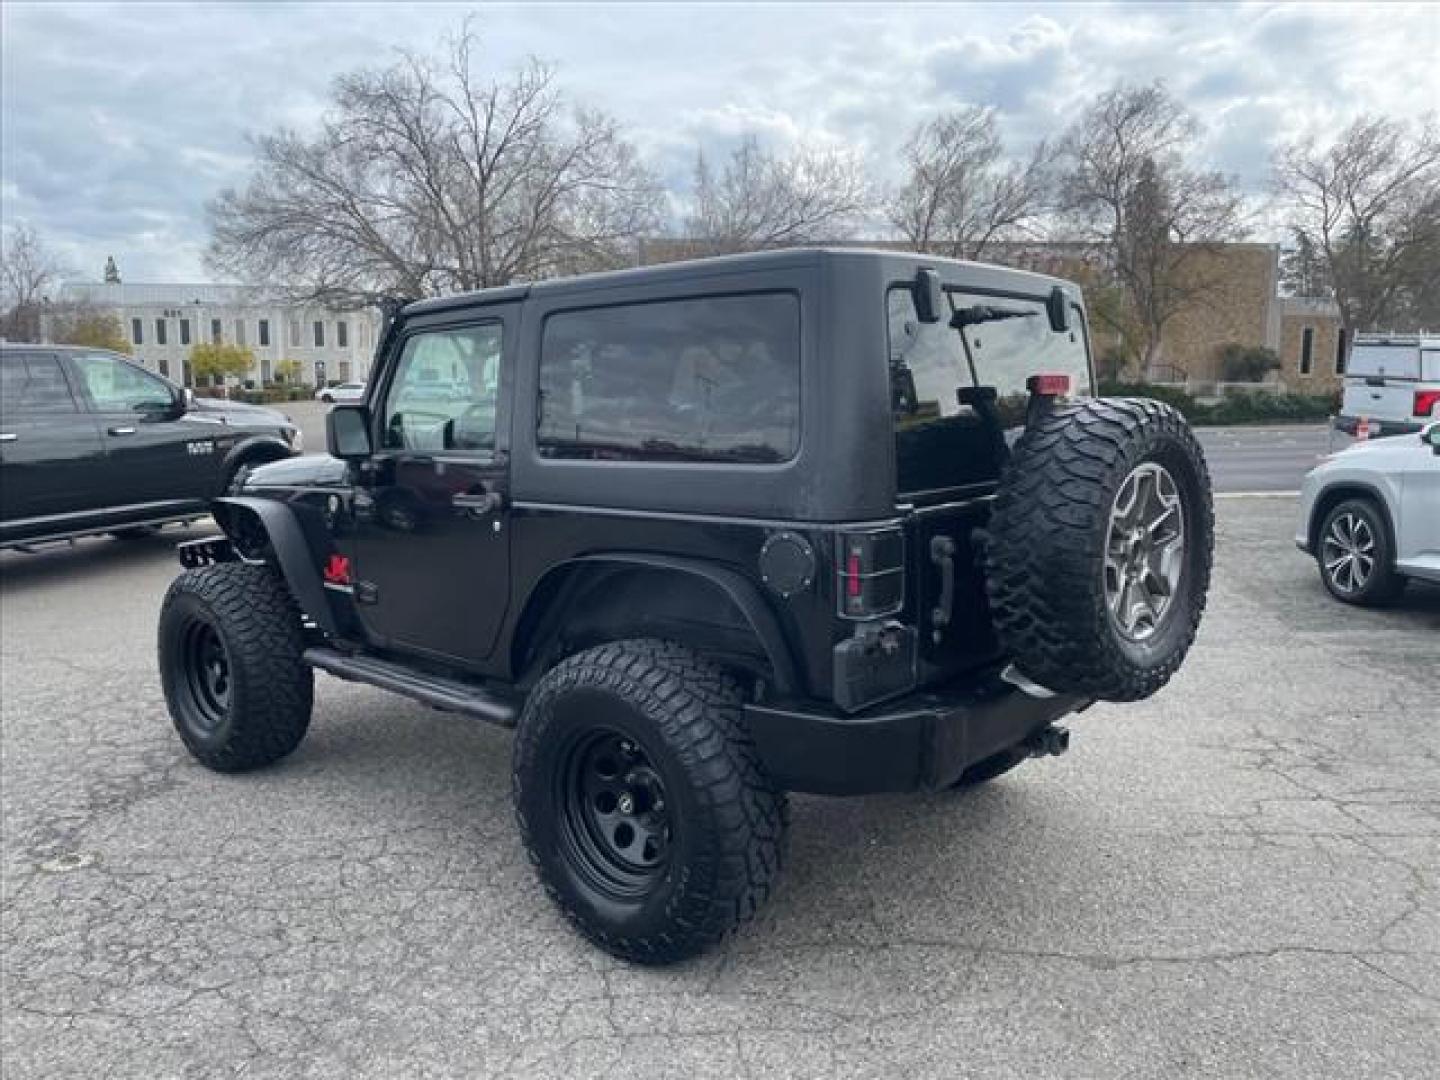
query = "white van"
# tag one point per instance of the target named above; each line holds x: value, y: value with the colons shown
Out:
x: 1393, y: 381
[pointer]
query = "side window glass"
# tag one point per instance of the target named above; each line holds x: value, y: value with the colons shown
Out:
x: 444, y: 392
x: 32, y: 384
x: 115, y: 386
x: 712, y: 379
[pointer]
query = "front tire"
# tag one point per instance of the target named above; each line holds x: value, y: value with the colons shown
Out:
x: 1355, y: 556
x: 328, y: 399
x: 642, y: 803
x: 230, y: 644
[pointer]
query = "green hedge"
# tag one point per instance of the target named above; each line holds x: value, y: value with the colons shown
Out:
x: 1237, y: 407
x: 272, y: 395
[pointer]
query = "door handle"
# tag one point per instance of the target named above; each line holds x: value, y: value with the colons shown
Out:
x: 8, y: 436
x: 480, y: 504
x: 120, y: 431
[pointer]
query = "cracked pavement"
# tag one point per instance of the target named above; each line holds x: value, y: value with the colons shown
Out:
x: 1240, y: 877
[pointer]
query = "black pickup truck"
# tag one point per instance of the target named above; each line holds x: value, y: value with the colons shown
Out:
x: 93, y: 443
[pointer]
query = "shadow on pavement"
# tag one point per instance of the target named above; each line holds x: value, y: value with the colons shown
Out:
x: 90, y: 557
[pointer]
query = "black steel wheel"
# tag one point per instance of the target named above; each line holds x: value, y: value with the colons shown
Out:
x: 230, y: 644
x: 205, y: 672
x: 641, y: 800
x: 614, y: 818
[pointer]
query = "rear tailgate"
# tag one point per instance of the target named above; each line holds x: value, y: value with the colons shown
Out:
x: 1380, y: 382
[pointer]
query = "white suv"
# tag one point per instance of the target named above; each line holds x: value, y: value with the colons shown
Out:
x: 345, y: 392
x: 1370, y: 516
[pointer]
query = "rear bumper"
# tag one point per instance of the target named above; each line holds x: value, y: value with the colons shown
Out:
x: 1380, y: 429
x: 922, y: 742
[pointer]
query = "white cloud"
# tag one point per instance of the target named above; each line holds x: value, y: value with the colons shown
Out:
x: 120, y: 121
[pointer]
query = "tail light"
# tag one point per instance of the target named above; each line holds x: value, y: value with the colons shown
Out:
x: 1048, y: 385
x: 871, y: 568
x: 1425, y: 401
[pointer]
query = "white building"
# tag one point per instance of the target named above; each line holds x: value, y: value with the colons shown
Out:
x: 163, y: 323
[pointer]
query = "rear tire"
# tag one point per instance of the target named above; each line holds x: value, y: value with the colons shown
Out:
x: 642, y: 803
x: 1099, y: 547
x: 1355, y: 555
x: 230, y: 661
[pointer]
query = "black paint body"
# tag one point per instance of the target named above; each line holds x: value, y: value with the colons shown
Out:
x: 490, y: 567
x: 85, y: 468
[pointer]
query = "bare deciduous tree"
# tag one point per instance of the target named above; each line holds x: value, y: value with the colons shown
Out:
x: 1126, y: 185
x: 1369, y: 205
x: 29, y: 272
x: 765, y: 199
x: 961, y: 193
x: 425, y: 178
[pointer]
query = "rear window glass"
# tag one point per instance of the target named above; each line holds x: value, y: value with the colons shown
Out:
x: 940, y: 440
x: 1397, y: 361
x: 713, y: 379
x: 34, y: 384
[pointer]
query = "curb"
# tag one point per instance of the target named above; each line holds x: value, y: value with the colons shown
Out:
x: 1257, y: 494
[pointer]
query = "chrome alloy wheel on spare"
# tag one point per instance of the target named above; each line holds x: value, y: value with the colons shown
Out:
x: 1144, y: 551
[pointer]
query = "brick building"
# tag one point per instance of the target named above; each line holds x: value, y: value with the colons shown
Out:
x: 1241, y: 304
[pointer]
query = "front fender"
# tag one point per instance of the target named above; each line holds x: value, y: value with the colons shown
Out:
x: 299, y: 565
x: 254, y: 448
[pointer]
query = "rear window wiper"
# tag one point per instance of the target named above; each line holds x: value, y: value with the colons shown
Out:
x: 972, y: 316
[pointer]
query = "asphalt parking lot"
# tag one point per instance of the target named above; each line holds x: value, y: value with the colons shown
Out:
x: 1240, y: 877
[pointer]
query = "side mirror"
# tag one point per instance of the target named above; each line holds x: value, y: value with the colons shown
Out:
x: 929, y: 296
x: 347, y: 432
x: 1057, y: 307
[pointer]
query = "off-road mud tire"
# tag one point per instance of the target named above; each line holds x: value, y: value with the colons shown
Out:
x: 269, y: 690
x: 727, y: 823
x: 1044, y: 546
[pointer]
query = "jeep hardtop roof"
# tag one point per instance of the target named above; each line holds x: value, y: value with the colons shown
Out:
x: 901, y: 263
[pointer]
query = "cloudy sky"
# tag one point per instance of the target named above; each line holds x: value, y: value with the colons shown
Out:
x: 121, y: 120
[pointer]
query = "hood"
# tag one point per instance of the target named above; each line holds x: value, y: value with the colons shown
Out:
x: 308, y: 470
x: 1388, y: 444
x: 236, y: 412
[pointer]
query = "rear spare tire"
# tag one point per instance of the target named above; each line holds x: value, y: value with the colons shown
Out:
x: 1099, y: 547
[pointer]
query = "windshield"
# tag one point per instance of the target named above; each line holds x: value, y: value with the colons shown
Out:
x: 952, y: 410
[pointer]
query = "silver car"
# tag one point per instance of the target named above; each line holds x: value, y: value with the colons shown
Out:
x: 1370, y: 516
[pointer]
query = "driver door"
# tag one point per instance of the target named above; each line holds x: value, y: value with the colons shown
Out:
x: 431, y: 548
x: 151, y: 454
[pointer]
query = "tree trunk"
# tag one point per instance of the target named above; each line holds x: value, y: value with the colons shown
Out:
x: 1151, y: 360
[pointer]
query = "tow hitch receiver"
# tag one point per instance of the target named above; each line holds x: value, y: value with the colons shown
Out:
x: 1049, y: 741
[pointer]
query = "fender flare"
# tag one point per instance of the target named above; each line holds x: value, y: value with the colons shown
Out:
x: 740, y: 591
x: 287, y: 540
x: 247, y: 446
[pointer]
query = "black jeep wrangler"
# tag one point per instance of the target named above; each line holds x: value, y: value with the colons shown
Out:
x: 817, y: 520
